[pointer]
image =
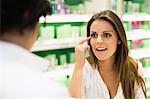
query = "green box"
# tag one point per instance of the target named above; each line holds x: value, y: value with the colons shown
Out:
x: 47, y: 32
x: 83, y: 31
x: 145, y: 62
x: 72, y: 57
x: 63, y: 59
x: 64, y: 31
x: 145, y: 43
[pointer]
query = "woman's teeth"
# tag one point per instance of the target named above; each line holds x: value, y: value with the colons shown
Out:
x: 101, y: 49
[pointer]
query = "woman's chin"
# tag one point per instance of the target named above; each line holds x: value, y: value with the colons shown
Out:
x: 101, y: 58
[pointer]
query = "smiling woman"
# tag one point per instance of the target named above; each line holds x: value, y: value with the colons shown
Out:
x: 109, y: 72
x: 105, y: 43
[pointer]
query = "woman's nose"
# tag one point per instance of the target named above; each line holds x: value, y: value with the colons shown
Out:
x: 99, y: 40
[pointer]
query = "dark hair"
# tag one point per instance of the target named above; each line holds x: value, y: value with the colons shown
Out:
x: 22, y: 14
x: 125, y: 66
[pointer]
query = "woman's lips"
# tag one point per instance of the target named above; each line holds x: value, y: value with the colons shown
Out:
x: 101, y: 49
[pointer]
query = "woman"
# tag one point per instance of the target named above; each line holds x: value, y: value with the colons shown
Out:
x: 108, y: 72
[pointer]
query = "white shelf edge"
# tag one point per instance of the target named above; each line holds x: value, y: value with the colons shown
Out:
x: 61, y: 72
x: 136, y: 17
x: 86, y: 18
x: 138, y: 34
x: 65, y: 18
x: 53, y: 44
x: 139, y: 53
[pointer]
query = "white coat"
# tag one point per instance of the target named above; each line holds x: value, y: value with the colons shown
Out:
x: 22, y: 77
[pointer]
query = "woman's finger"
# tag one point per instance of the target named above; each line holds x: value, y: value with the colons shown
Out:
x: 84, y: 40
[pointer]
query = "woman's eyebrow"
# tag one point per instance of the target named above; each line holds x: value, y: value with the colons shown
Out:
x: 92, y: 32
x: 110, y: 31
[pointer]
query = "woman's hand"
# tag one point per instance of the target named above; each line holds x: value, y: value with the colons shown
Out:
x: 80, y: 50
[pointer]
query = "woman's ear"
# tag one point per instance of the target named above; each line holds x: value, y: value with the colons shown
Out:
x: 119, y: 42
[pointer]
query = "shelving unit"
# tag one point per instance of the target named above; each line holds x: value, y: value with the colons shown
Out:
x: 136, y: 20
x: 69, y: 42
x: 65, y: 43
x: 55, y: 44
x: 59, y: 44
x: 52, y: 44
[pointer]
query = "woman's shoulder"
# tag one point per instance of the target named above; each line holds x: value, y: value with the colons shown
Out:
x: 88, y: 69
x: 88, y: 65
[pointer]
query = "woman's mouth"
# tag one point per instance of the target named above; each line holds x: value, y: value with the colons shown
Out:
x: 101, y: 49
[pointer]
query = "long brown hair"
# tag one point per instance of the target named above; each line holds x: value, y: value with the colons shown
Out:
x: 125, y: 66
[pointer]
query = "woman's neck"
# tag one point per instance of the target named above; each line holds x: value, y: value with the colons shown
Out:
x: 106, y: 65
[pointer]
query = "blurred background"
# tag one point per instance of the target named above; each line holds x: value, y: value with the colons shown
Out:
x: 67, y: 25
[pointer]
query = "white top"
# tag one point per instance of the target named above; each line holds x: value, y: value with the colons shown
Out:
x: 95, y: 88
x: 21, y: 75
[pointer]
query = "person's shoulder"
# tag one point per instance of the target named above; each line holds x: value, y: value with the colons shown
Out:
x: 87, y: 66
x: 28, y: 82
x: 88, y: 70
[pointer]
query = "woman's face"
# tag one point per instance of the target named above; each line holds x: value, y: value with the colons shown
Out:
x: 103, y: 39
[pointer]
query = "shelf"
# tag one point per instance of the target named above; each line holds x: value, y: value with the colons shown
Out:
x: 65, y: 18
x: 86, y: 18
x: 139, y: 53
x: 61, y: 72
x: 53, y: 44
x: 69, y: 43
x: 136, y: 17
x: 138, y: 34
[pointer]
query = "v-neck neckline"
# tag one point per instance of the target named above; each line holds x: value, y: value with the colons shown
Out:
x: 105, y: 86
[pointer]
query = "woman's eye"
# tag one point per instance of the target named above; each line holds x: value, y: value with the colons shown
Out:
x: 107, y: 35
x: 94, y: 35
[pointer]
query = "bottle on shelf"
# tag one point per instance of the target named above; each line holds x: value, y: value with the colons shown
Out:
x: 61, y: 8
x: 54, y: 6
